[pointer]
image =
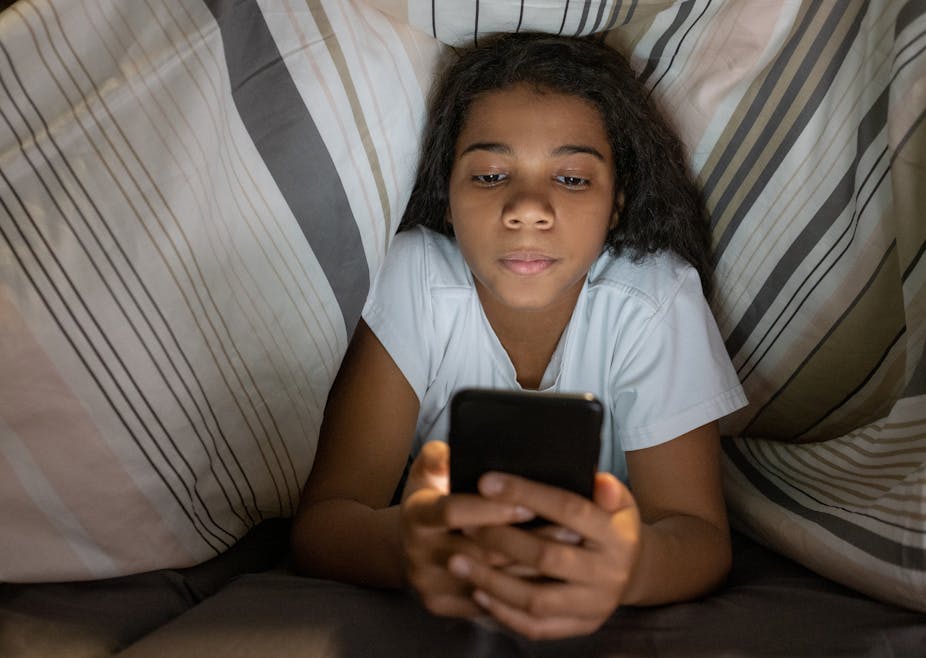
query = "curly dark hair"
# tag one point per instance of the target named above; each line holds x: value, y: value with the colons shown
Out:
x: 663, y: 209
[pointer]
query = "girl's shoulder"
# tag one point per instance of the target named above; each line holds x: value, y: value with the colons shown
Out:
x: 652, y: 279
x: 437, y: 255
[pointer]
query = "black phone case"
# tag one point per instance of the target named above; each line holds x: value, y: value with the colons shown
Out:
x: 550, y: 438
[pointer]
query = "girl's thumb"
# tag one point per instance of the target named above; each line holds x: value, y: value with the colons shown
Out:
x: 611, y: 494
x: 434, y: 457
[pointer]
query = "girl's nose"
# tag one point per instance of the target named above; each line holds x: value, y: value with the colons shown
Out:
x: 526, y: 208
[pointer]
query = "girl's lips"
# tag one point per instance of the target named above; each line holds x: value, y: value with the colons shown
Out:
x: 527, y: 263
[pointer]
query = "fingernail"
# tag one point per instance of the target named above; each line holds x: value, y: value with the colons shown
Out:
x: 567, y: 536
x: 522, y: 514
x: 481, y: 598
x: 459, y: 566
x: 491, y: 485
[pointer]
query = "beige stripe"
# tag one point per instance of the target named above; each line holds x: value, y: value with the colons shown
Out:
x: 882, y: 455
x: 340, y: 63
x: 839, y: 451
x: 827, y: 380
x: 804, y: 50
x: 65, y: 443
x: 907, y: 175
x: 874, y: 400
x: 153, y: 213
x: 918, y: 423
x: 314, y: 309
x: 33, y: 549
x: 378, y: 118
x: 778, y: 218
x: 219, y: 239
x: 423, y: 53
x: 872, y: 478
x: 714, y: 64
x: 345, y: 128
x: 829, y: 495
x: 859, y: 485
x: 626, y: 38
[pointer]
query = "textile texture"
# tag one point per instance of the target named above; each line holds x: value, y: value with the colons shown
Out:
x: 195, y: 194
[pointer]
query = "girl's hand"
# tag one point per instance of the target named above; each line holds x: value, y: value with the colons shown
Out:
x: 430, y: 519
x: 581, y: 584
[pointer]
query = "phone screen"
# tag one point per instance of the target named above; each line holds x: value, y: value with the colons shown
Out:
x: 546, y: 437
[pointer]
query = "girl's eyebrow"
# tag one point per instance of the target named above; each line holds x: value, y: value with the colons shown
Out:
x: 569, y: 149
x: 494, y: 147
x: 504, y: 149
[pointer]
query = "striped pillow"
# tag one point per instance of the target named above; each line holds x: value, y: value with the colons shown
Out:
x: 193, y: 198
x: 805, y: 127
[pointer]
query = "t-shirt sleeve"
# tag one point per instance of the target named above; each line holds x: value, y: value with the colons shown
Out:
x: 398, y: 308
x: 677, y: 376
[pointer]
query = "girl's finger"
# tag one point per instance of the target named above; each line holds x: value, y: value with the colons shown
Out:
x: 538, y: 598
x: 536, y: 628
x: 458, y: 511
x: 583, y: 565
x: 560, y: 506
x: 442, y: 593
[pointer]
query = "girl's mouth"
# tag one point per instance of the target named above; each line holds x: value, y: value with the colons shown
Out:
x: 526, y: 264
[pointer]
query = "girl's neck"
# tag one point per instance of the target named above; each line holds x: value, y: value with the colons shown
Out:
x: 529, y: 337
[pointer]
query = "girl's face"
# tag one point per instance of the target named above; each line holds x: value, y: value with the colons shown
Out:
x: 531, y: 197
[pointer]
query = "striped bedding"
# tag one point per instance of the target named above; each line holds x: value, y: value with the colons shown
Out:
x: 194, y: 195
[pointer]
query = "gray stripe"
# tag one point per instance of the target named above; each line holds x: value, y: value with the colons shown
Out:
x: 565, y: 13
x: 793, y: 95
x: 797, y: 252
x: 584, y: 19
x: 113, y: 378
x: 612, y: 19
x: 292, y: 148
x: 68, y: 336
x: 601, y: 8
x: 190, y: 266
x: 907, y: 14
x: 476, y: 26
x: 903, y: 555
x: 655, y: 55
x: 678, y: 46
x: 759, y: 102
x: 107, y: 252
x: 869, y: 128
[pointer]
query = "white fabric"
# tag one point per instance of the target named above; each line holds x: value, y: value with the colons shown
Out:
x: 641, y: 339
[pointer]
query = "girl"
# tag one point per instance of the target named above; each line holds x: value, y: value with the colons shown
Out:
x: 553, y: 241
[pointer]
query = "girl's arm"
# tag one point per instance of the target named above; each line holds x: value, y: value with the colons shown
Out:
x: 685, y: 538
x: 345, y: 529
x: 669, y: 541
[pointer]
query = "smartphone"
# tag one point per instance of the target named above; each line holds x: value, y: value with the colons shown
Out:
x: 552, y: 438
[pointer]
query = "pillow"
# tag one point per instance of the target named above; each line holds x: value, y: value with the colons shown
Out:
x: 194, y: 197
x: 804, y: 124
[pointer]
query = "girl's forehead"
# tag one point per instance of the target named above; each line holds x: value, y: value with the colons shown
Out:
x: 524, y: 112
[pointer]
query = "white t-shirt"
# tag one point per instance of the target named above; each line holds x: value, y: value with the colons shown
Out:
x: 641, y: 338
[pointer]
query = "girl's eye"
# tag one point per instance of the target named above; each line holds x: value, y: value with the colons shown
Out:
x: 574, y: 182
x: 489, y: 180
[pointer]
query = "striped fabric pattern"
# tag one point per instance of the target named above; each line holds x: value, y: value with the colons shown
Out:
x: 196, y: 193
x: 193, y: 198
x: 805, y: 126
